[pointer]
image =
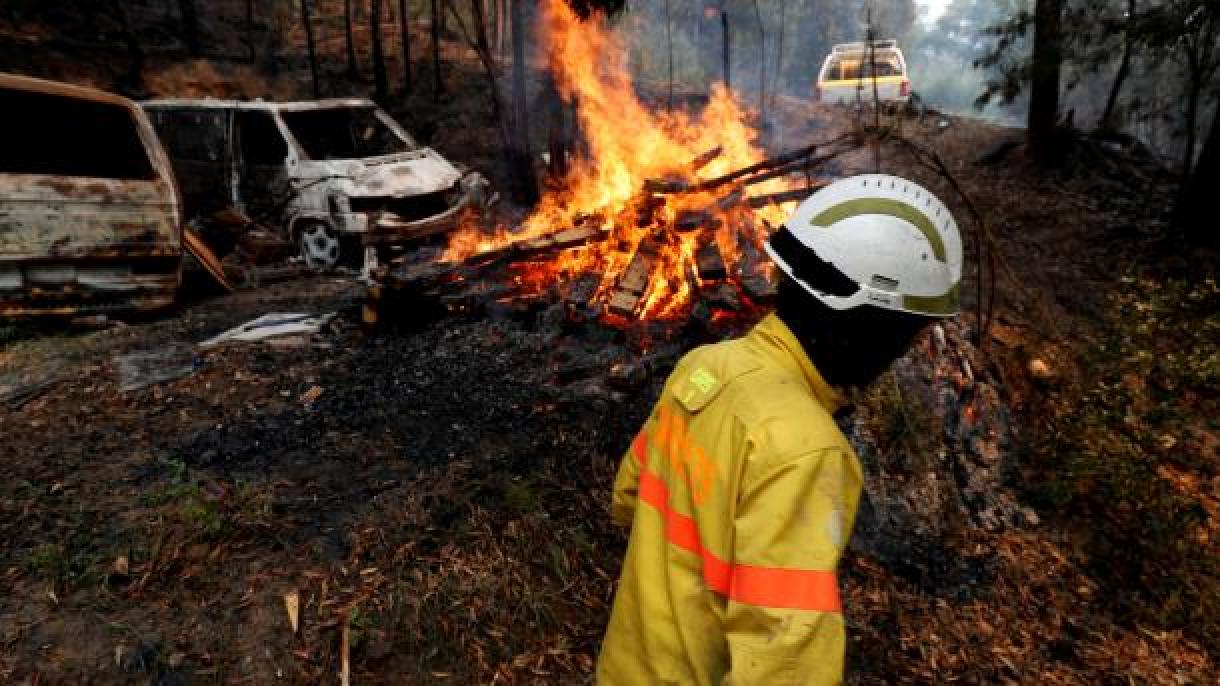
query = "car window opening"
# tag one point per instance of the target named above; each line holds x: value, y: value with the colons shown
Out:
x: 343, y: 133
x: 63, y: 136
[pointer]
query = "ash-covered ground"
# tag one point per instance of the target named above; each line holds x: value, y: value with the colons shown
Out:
x: 431, y: 497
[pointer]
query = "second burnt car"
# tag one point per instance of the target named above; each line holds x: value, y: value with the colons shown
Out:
x: 341, y: 178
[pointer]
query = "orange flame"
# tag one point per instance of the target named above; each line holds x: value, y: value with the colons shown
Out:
x: 628, y: 144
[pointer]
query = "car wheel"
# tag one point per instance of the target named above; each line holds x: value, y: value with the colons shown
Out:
x: 318, y: 245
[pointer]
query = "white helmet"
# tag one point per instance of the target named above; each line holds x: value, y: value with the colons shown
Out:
x: 873, y: 240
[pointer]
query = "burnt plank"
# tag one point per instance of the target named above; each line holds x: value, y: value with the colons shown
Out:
x: 669, y: 185
x: 692, y: 220
x: 623, y: 303
x: 582, y: 290
x: 634, y: 278
x: 706, y: 158
x: 759, y: 288
x: 710, y: 262
x: 731, y: 199
x: 795, y: 195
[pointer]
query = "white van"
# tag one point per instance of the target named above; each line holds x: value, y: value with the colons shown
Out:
x: 847, y: 77
x: 339, y: 177
x: 90, y: 218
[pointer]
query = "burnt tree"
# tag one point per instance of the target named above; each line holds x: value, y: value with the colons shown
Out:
x: 434, y: 21
x: 525, y: 183
x: 1200, y: 22
x: 251, y: 43
x: 189, y: 16
x: 381, y: 82
x: 1193, y: 214
x: 1044, y: 86
x: 307, y: 24
x: 353, y: 72
x: 726, y: 43
x: 404, y: 40
x: 1106, y: 123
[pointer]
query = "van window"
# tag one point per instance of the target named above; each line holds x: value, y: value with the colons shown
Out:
x: 195, y: 135
x: 262, y: 144
x: 64, y: 136
x: 343, y: 133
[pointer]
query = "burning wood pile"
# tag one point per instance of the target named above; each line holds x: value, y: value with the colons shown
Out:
x: 662, y: 215
x: 680, y: 241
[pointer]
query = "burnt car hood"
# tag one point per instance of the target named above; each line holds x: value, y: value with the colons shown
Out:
x: 396, y: 176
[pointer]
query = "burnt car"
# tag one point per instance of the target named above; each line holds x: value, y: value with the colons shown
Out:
x: 340, y: 178
x: 90, y: 219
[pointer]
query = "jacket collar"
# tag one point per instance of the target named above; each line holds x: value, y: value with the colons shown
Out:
x: 776, y: 340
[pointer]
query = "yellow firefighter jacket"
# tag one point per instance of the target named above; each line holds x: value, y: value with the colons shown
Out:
x: 741, y: 492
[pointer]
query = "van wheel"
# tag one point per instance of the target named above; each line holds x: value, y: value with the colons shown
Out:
x: 318, y: 245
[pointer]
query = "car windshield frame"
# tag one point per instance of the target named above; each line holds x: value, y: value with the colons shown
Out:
x: 320, y: 135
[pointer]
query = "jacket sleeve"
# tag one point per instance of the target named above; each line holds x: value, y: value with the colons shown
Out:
x: 627, y: 483
x: 784, y: 622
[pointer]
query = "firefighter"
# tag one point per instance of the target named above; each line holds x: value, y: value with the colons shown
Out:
x: 740, y: 490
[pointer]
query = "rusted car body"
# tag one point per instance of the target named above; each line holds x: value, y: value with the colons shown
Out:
x: 90, y: 218
x: 336, y: 176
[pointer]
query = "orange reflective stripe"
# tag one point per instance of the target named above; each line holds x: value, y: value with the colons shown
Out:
x: 639, y: 448
x: 796, y: 589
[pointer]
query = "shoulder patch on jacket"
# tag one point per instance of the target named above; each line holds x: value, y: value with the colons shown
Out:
x: 701, y: 378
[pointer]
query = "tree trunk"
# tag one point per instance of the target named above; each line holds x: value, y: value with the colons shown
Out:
x: 1195, y: 86
x: 251, y: 44
x: 762, y: 65
x: 1124, y: 66
x: 404, y: 30
x: 1192, y: 212
x: 352, y: 71
x: 1044, y: 89
x: 133, y: 82
x: 669, y: 46
x: 726, y: 43
x: 482, y: 47
x: 313, y: 57
x: 381, y: 82
x: 522, y: 165
x: 190, y: 26
x: 779, y: 50
x: 438, y: 85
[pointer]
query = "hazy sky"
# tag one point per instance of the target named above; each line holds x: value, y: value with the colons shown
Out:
x: 935, y: 7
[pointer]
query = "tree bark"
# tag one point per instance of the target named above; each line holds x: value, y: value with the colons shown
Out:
x: 726, y: 43
x: 190, y: 26
x: 669, y: 46
x: 762, y: 65
x: 1195, y: 88
x: 438, y: 85
x: 1192, y: 215
x: 1044, y: 89
x: 525, y: 181
x: 352, y: 71
x: 313, y: 57
x: 779, y: 50
x: 1124, y: 66
x: 482, y: 47
x: 381, y: 81
x: 251, y: 45
x: 404, y: 31
x: 133, y: 82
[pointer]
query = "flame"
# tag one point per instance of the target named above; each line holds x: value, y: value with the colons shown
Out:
x: 627, y: 144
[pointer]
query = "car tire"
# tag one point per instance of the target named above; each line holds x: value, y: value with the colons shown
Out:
x: 318, y: 245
